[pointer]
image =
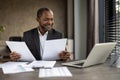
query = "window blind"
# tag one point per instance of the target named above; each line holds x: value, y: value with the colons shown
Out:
x: 112, y: 23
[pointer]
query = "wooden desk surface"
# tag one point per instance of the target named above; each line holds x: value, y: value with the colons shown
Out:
x: 98, y: 72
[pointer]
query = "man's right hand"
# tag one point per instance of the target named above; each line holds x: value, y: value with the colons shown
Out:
x: 14, y: 56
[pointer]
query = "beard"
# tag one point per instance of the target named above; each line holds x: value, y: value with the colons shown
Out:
x: 46, y: 28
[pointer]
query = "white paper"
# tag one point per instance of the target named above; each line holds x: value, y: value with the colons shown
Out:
x: 42, y: 64
x: 53, y: 48
x: 1, y: 64
x: 15, y: 67
x: 55, y: 72
x: 22, y: 49
x: 12, y: 63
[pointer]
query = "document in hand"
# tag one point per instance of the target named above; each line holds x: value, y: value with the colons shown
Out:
x: 53, y: 48
x: 22, y: 49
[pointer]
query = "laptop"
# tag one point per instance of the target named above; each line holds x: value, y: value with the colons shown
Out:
x: 98, y: 54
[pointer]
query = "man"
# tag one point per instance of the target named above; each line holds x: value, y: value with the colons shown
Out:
x: 36, y: 37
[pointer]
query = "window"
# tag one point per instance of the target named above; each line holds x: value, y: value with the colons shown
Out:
x: 112, y: 23
x: 111, y: 27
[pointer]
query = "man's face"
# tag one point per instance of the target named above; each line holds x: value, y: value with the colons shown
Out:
x: 46, y: 21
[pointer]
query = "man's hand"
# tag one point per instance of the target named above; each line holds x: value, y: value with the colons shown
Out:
x: 64, y: 55
x: 14, y: 56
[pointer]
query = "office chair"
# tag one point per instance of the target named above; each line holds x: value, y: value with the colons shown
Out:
x: 15, y: 38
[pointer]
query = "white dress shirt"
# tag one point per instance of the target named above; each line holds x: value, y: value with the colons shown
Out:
x: 42, y: 39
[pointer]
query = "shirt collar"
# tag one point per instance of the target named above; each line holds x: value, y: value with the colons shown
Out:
x: 41, y: 34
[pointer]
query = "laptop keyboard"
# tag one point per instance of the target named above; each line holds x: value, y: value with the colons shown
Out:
x: 79, y: 64
x: 73, y: 63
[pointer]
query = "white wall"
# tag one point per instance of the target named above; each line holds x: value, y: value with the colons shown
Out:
x: 80, y: 24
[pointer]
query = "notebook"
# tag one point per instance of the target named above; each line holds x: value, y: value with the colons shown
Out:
x: 98, y: 55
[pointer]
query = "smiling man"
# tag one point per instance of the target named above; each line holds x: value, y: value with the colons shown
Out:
x: 35, y: 38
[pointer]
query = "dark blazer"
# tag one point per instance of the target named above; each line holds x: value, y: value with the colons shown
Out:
x: 31, y: 38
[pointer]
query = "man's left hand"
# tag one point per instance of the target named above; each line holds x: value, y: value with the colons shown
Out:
x: 64, y: 55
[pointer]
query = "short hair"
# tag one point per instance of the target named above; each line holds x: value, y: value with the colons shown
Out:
x: 41, y: 10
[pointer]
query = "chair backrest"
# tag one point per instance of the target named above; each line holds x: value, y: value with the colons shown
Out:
x: 15, y: 38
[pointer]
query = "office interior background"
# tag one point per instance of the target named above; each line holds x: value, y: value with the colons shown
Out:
x: 85, y: 21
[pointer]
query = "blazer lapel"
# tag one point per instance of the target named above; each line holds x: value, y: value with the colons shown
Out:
x: 49, y: 37
x: 37, y: 41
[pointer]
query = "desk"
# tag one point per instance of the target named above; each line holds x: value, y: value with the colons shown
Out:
x: 98, y: 72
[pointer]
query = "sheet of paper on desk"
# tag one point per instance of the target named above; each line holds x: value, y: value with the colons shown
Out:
x: 55, y: 72
x: 53, y: 48
x: 15, y: 67
x: 22, y: 49
x: 12, y: 63
x: 42, y: 64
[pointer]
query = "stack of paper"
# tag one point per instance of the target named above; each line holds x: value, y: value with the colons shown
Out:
x: 15, y: 67
x: 42, y: 64
x: 55, y: 72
